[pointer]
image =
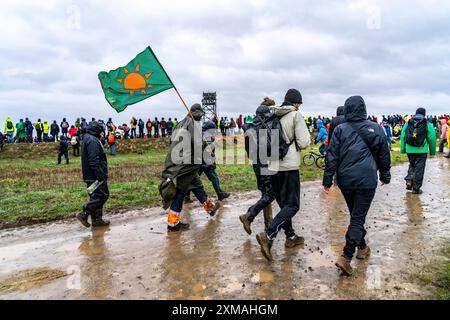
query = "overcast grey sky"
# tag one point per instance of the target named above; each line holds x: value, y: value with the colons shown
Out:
x: 396, y: 54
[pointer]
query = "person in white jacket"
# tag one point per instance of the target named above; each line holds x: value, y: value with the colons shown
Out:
x: 286, y: 173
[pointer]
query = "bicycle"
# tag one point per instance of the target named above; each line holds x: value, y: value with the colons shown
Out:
x: 314, y: 158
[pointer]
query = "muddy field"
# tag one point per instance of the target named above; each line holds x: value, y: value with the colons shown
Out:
x: 136, y: 258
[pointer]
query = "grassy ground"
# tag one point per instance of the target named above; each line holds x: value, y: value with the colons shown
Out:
x: 437, y: 275
x: 35, y: 189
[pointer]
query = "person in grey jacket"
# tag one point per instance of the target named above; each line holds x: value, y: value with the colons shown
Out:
x: 286, y: 173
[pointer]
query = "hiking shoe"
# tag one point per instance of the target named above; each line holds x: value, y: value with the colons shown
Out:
x: 83, y: 218
x: 180, y: 226
x: 211, y: 207
x: 293, y: 241
x: 265, y: 244
x: 343, y: 263
x: 418, y: 191
x: 409, y: 185
x: 223, y: 195
x: 246, y: 223
x: 100, y: 223
x: 363, y: 253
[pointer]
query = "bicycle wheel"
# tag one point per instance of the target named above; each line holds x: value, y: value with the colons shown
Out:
x: 320, y: 162
x: 308, y: 159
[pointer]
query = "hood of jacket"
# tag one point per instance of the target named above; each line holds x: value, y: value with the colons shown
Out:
x: 340, y: 111
x: 443, y: 121
x: 355, y: 109
x: 283, y: 110
x: 94, y: 128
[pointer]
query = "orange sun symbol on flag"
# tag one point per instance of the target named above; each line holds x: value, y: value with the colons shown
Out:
x: 134, y: 81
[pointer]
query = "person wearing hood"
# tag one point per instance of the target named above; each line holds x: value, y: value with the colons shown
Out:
x: 54, y: 130
x: 141, y: 125
x: 94, y: 166
x: 39, y: 128
x: 45, y: 131
x: 29, y: 130
x: 443, y: 136
x: 63, y: 149
x: 83, y: 126
x: 263, y: 179
x: 64, y: 127
x: 339, y: 119
x: 358, y: 149
x: 286, y: 174
x: 20, y: 131
x: 9, y: 130
x: 321, y: 136
x: 388, y: 131
x: 133, y: 125
x: 417, y: 139
x: 181, y: 167
x: 148, y: 126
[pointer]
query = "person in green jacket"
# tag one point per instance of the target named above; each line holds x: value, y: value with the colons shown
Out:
x: 21, y: 133
x: 417, y: 139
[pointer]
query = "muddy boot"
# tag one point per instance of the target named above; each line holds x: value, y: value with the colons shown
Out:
x: 293, y: 241
x: 417, y: 191
x: 100, y: 223
x: 246, y: 223
x: 265, y: 244
x: 223, y: 195
x: 211, y: 207
x: 363, y: 253
x: 343, y: 263
x: 180, y: 226
x: 409, y: 185
x: 83, y: 218
x: 267, y: 211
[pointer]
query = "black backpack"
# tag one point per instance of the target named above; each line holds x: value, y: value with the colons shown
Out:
x: 416, y: 132
x: 9, y: 125
x: 269, y: 124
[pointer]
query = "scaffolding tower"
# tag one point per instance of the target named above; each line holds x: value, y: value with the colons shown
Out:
x: 209, y: 105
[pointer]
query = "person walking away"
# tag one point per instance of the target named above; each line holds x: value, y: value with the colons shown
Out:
x: 443, y: 135
x: 54, y: 130
x: 388, y: 131
x: 63, y: 149
x: 64, y: 127
x: 83, y: 126
x: 148, y: 126
x: 29, y: 129
x: 133, y: 124
x: 39, y: 128
x: 9, y: 130
x: 417, y: 139
x: 20, y: 131
x: 94, y: 166
x: 112, y: 144
x: 141, y: 126
x: 357, y: 150
x: 181, y: 175
x: 162, y: 126
x: 337, y: 120
x: 239, y: 122
x: 75, y: 141
x: 45, y: 131
x: 321, y: 137
x: 170, y: 126
x: 155, y: 126
x: 286, y: 177
x: 260, y: 167
x: 72, y: 131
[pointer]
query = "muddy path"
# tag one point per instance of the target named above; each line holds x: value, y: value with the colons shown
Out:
x: 136, y: 259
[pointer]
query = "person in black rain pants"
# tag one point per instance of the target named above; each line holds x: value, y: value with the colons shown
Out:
x: 63, y: 149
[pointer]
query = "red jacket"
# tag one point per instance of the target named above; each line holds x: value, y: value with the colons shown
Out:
x: 72, y: 131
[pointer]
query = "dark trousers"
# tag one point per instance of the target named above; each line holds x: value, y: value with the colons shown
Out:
x: 39, y: 136
x: 156, y: 132
x: 264, y: 184
x: 66, y: 156
x: 213, y: 177
x: 416, y: 169
x: 141, y: 132
x: 358, y: 203
x: 94, y: 206
x: 286, y: 186
x: 76, y: 150
x: 441, y: 145
x: 177, y: 204
x: 133, y: 132
x: 163, y: 132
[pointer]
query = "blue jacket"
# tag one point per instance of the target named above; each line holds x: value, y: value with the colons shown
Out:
x: 323, y: 134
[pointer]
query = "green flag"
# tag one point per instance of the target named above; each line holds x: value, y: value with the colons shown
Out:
x: 141, y: 78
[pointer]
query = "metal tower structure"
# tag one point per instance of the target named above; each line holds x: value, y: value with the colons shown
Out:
x: 209, y: 105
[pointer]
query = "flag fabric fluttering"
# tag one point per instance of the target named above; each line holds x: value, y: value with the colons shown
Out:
x: 141, y: 78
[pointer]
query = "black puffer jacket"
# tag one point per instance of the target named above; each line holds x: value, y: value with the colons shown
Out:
x: 93, y: 157
x: 350, y: 157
